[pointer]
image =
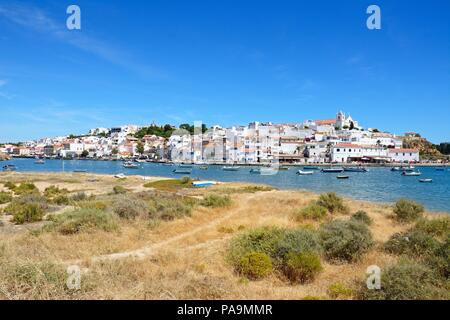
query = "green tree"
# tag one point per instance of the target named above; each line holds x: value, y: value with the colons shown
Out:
x: 140, y: 148
x: 84, y: 154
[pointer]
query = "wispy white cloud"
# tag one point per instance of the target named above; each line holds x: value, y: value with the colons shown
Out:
x: 41, y: 22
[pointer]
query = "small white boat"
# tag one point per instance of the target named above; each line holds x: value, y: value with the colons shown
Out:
x: 231, y: 168
x: 333, y: 170
x: 40, y: 161
x: 182, y: 171
x: 343, y: 177
x: 120, y: 176
x: 425, y: 180
x: 305, y: 173
x: 411, y: 174
x: 130, y: 165
x: 204, y: 183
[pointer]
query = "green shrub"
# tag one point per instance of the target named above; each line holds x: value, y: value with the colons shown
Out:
x: 312, y: 212
x: 61, y: 199
x: 264, y: 240
x: 363, y: 217
x: 438, y: 227
x: 255, y: 265
x: 29, y: 207
x: 9, y: 185
x: 26, y: 187
x: 80, y: 196
x: 332, y: 202
x: 302, y: 267
x: 54, y: 191
x: 340, y: 291
x: 216, y: 201
x: 440, y: 260
x: 28, y: 213
x: 412, y: 243
x: 5, y: 197
x: 295, y: 241
x: 82, y: 220
x: 169, y: 208
x: 185, y: 180
x: 407, y: 210
x: 345, y: 240
x: 119, y: 190
x: 407, y: 280
x: 130, y: 208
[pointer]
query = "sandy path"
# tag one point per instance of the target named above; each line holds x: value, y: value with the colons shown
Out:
x: 154, y: 247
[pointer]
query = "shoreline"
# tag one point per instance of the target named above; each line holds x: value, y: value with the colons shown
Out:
x: 145, y: 179
x: 372, y: 165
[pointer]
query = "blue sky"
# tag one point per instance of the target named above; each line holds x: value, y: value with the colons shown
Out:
x: 222, y: 62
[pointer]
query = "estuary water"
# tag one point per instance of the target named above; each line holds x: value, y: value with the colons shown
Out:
x: 380, y: 184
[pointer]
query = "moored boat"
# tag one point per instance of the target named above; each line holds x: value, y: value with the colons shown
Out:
x: 130, y: 165
x: 355, y: 169
x: 343, y: 177
x: 39, y: 161
x: 305, y: 173
x: 182, y: 171
x: 9, y: 167
x: 425, y: 180
x: 440, y: 169
x: 231, y: 168
x: 411, y: 174
x: 310, y: 168
x: 203, y: 167
x: 332, y: 170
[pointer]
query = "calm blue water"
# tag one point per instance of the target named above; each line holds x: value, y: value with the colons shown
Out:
x: 379, y: 184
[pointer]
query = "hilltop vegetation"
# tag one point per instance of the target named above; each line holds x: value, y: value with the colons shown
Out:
x: 427, y: 150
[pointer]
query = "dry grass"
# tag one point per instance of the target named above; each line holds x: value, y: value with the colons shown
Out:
x: 180, y: 259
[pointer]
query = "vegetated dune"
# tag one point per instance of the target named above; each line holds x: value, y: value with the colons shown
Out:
x: 171, y: 241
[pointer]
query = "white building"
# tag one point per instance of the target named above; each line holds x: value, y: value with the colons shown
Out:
x: 347, y: 152
x: 404, y: 155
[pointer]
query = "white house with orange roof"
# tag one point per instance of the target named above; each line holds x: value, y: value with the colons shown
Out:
x: 348, y: 152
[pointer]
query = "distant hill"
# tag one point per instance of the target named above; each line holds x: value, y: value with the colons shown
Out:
x: 426, y: 148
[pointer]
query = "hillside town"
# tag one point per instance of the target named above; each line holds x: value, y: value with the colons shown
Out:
x: 338, y: 140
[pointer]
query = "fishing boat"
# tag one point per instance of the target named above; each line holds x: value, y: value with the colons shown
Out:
x: 255, y: 170
x: 203, y: 167
x: 343, y: 177
x: 283, y: 168
x: 264, y: 171
x: 310, y: 168
x: 231, y: 168
x: 425, y: 180
x: 39, y: 161
x: 355, y: 169
x: 141, y: 160
x: 130, y: 165
x: 305, y: 173
x: 182, y: 171
x: 411, y: 174
x: 185, y: 166
x: 332, y: 170
x: 9, y: 167
x: 204, y: 183
x: 396, y: 169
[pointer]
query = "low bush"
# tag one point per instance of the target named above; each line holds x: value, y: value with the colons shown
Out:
x: 440, y: 260
x: 5, y: 197
x: 79, y: 196
x: 53, y: 191
x: 82, y: 220
x: 61, y: 199
x: 295, y: 241
x: 332, y: 202
x: 363, y: 217
x: 130, y: 208
x: 407, y: 280
x: 92, y: 204
x: 412, y: 243
x: 438, y: 227
x: 345, y: 240
x: 215, y: 201
x: 28, y: 213
x: 169, y: 208
x: 10, y: 185
x: 340, y: 291
x: 302, y: 267
x: 25, y: 187
x: 255, y: 265
x: 407, y: 210
x: 119, y: 190
x: 311, y: 212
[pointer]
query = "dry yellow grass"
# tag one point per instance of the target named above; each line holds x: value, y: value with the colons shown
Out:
x: 181, y: 259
